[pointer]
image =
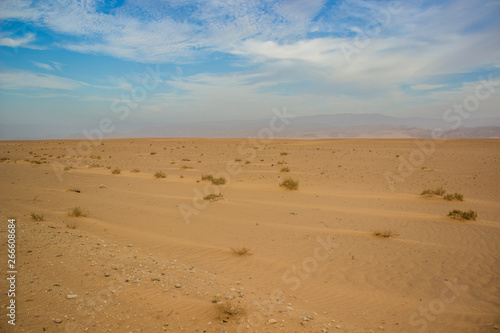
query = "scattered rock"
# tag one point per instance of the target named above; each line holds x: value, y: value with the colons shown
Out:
x: 107, y: 274
x: 57, y: 320
x: 272, y: 321
x: 178, y: 285
x: 70, y: 296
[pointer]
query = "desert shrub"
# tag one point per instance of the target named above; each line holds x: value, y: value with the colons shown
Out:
x: 237, y: 159
x: 385, y: 233
x: 430, y: 193
x: 461, y: 215
x: 281, y: 162
x: 184, y: 167
x: 160, y: 174
x: 455, y: 196
x: 213, y: 196
x: 219, y: 181
x: 241, y: 251
x: 116, y: 171
x: 37, y: 217
x: 135, y: 170
x: 283, y: 153
x: 207, y: 177
x: 77, y: 212
x: 290, y: 184
x: 285, y: 169
x: 230, y: 308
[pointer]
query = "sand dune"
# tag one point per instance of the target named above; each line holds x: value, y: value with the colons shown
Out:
x: 151, y: 255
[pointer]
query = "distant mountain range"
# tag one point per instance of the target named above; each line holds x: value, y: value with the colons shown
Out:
x: 326, y: 126
x: 303, y: 127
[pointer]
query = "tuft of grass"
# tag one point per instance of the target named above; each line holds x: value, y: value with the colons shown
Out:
x: 290, y: 184
x: 213, y: 197
x: 455, y: 196
x: 283, y: 153
x: 77, y: 212
x: 116, y: 171
x: 160, y: 174
x: 430, y: 193
x: 219, y: 181
x: 241, y: 251
x: 207, y: 177
x: 135, y: 170
x: 385, y: 233
x: 285, y: 169
x: 461, y: 215
x: 37, y: 217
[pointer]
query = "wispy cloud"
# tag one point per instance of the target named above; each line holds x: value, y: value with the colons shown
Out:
x: 25, y: 41
x: 43, y: 66
x: 426, y: 86
x: 20, y: 79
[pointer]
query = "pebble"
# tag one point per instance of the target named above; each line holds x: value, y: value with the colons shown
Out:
x: 272, y: 321
x: 107, y: 274
x: 178, y: 285
x: 57, y: 320
x: 71, y: 296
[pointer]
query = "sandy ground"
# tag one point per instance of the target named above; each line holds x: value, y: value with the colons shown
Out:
x: 152, y: 256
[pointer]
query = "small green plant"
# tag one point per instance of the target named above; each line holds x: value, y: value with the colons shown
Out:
x: 135, y: 170
x: 160, y: 174
x: 290, y: 184
x: 116, y: 171
x: 77, y: 212
x: 285, y: 169
x: 455, y: 196
x: 385, y: 233
x: 213, y: 197
x: 207, y: 177
x: 461, y: 215
x: 241, y: 251
x: 37, y: 217
x: 219, y: 181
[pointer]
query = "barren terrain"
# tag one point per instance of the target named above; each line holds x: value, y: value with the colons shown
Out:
x: 151, y: 255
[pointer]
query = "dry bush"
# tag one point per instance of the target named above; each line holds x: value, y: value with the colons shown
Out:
x: 77, y: 212
x: 461, y: 215
x: 207, y: 177
x: 281, y: 162
x: 385, y: 233
x: 285, y: 169
x: 160, y: 174
x: 430, y: 193
x: 247, y: 162
x: 290, y: 184
x: 283, y: 153
x: 454, y: 196
x: 37, y: 217
x: 241, y: 251
x: 237, y: 159
x: 230, y: 308
x: 116, y: 171
x: 184, y: 167
x: 213, y: 197
x: 219, y: 181
x: 135, y: 170
x: 152, y: 153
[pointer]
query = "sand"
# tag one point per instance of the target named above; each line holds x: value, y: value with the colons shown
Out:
x: 152, y: 256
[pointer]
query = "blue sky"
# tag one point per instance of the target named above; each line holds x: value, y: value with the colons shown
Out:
x: 65, y: 65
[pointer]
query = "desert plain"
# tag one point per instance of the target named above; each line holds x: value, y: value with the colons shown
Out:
x: 149, y: 254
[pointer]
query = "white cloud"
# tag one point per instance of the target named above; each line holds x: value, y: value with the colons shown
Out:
x: 43, y: 66
x: 21, y: 79
x: 23, y: 41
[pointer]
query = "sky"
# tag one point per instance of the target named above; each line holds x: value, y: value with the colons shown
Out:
x: 67, y: 65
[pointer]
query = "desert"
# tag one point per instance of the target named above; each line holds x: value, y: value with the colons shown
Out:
x: 197, y: 235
